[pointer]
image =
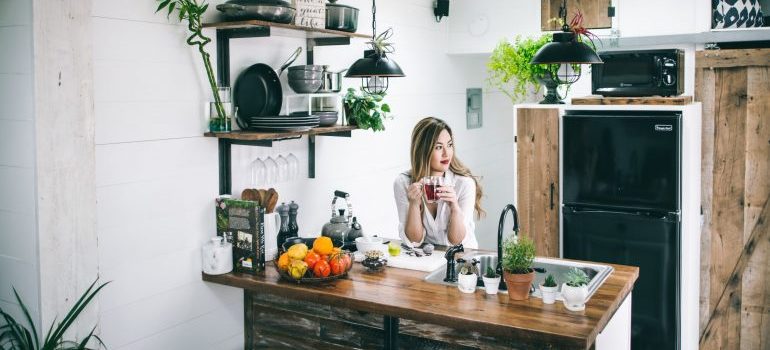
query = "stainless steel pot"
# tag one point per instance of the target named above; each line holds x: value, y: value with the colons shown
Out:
x: 341, y: 17
x: 332, y: 81
x: 278, y: 11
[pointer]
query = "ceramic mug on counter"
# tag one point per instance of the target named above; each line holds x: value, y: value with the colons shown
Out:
x: 272, y: 226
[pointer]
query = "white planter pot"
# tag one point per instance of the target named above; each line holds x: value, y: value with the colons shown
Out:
x: 574, y: 297
x: 549, y: 294
x: 491, y: 284
x: 467, y: 283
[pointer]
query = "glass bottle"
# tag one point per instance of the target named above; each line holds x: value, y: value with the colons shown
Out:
x: 283, y: 233
x: 293, y: 227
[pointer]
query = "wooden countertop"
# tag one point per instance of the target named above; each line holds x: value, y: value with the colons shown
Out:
x: 404, y: 294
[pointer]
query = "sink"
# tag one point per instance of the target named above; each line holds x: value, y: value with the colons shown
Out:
x: 597, y: 273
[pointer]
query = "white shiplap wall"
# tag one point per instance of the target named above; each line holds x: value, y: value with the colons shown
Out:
x: 157, y: 177
x: 18, y: 239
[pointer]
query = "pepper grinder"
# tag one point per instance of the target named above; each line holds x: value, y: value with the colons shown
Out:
x: 284, y: 232
x: 293, y: 227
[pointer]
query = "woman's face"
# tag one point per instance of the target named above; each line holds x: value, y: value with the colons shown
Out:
x: 442, y: 154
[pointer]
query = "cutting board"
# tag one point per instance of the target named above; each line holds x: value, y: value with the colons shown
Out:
x: 426, y: 263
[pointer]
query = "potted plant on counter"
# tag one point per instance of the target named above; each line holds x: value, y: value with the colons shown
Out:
x: 366, y: 110
x: 491, y: 280
x: 518, y: 256
x: 548, y: 289
x: 575, y: 290
x: 468, y: 277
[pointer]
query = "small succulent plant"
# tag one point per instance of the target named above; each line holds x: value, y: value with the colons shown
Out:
x: 490, y: 273
x: 549, y: 281
x: 468, y: 268
x: 576, y: 277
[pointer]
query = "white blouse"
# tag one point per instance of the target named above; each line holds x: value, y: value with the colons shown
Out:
x: 436, y: 228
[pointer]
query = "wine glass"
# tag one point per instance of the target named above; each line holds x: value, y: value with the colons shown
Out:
x: 283, y: 168
x: 272, y: 171
x: 293, y: 166
x: 258, y: 172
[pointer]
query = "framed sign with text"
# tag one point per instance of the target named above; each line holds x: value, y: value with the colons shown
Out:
x: 310, y: 13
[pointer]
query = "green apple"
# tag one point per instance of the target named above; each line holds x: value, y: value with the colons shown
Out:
x: 394, y: 249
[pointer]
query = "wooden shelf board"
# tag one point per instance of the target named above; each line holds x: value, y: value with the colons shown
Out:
x: 257, y: 135
x: 653, y: 100
x: 311, y: 32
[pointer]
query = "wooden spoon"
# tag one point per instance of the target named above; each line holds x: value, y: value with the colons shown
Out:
x: 271, y: 200
x: 249, y: 194
x: 262, y: 197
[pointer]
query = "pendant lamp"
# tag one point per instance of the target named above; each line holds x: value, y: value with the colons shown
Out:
x: 375, y: 68
x: 565, y: 53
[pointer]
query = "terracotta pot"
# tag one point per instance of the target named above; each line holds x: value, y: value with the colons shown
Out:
x: 519, y: 284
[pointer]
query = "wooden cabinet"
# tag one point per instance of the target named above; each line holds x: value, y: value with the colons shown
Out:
x: 594, y: 13
x: 734, y: 87
x: 537, y: 186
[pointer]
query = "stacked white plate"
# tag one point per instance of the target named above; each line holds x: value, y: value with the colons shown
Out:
x: 283, y: 123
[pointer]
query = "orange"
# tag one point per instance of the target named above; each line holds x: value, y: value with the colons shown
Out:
x: 283, y: 261
x: 323, y: 245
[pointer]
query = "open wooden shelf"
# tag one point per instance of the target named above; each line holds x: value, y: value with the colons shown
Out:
x: 257, y: 135
x: 311, y: 32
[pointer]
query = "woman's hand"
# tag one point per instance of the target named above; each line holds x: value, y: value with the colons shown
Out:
x: 448, y: 195
x: 414, y: 193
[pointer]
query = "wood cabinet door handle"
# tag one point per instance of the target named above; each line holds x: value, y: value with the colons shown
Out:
x: 552, y: 188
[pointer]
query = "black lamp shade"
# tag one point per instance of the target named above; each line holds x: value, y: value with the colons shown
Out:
x: 374, y: 64
x: 565, y: 49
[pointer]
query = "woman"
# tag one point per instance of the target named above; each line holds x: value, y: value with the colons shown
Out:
x: 448, y: 221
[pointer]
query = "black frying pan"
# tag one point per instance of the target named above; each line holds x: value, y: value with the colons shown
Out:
x: 258, y: 90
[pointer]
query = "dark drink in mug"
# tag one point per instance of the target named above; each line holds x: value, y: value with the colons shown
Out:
x: 430, y: 185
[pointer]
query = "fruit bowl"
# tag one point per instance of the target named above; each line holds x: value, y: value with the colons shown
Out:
x: 338, y: 265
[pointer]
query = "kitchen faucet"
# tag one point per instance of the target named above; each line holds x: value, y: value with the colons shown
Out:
x: 450, y: 262
x: 499, y: 268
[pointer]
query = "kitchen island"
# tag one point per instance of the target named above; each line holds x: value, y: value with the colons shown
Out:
x: 396, y: 308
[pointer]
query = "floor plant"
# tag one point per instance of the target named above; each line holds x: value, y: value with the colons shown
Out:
x: 15, y: 336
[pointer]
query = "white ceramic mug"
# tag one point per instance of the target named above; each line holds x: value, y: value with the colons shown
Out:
x: 272, y: 226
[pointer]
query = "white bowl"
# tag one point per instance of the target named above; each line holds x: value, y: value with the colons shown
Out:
x: 364, y: 244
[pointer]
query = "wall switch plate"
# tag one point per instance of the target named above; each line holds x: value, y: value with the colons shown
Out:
x: 473, y: 107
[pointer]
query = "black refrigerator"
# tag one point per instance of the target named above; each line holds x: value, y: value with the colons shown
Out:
x: 622, y: 204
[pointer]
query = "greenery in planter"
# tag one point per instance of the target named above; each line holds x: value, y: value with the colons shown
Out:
x: 14, y: 336
x: 518, y: 255
x: 468, y: 268
x: 576, y: 277
x: 191, y: 12
x: 366, y: 110
x: 549, y: 281
x: 509, y: 68
x: 490, y: 273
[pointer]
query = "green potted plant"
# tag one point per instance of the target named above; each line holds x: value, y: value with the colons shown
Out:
x: 509, y: 68
x: 518, y: 256
x: 575, y: 289
x: 491, y: 280
x: 366, y: 110
x: 14, y: 336
x: 468, y: 277
x: 549, y: 289
x: 190, y: 11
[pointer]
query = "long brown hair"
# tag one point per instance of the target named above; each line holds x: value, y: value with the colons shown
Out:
x: 424, y: 137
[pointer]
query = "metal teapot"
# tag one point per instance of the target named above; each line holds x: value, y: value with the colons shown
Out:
x: 339, y: 228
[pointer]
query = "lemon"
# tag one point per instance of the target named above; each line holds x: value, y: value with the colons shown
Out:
x: 297, y: 269
x: 297, y: 251
x: 394, y: 249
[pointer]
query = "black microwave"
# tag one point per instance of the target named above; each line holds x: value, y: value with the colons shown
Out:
x: 639, y: 73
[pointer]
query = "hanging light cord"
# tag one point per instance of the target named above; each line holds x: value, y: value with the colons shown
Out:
x: 374, y: 19
x: 563, y: 15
